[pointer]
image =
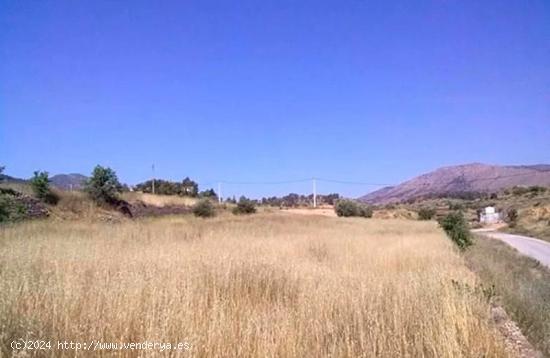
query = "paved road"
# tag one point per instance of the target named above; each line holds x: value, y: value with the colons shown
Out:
x: 537, y: 249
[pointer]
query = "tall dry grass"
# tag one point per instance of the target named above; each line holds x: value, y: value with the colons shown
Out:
x: 159, y: 200
x: 262, y: 286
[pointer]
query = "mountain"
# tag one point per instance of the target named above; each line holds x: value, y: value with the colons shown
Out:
x: 68, y: 181
x: 10, y: 179
x: 475, y: 177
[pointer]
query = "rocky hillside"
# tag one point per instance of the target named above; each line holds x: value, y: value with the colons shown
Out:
x: 468, y: 178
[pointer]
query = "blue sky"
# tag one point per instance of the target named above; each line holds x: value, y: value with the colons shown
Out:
x: 273, y: 90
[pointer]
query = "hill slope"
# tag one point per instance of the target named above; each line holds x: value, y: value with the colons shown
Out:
x: 474, y: 177
x: 68, y: 181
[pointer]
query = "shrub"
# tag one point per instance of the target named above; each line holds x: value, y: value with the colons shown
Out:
x: 10, y: 208
x: 456, y: 206
x: 103, y: 186
x: 244, y: 206
x: 426, y: 213
x: 519, y: 190
x: 40, y: 184
x: 4, y: 209
x: 347, y: 208
x: 456, y: 228
x: 365, y: 211
x: 204, y: 209
x: 512, y: 215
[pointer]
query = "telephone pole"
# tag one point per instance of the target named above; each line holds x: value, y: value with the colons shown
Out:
x: 153, y: 182
x: 219, y: 193
x: 314, y: 193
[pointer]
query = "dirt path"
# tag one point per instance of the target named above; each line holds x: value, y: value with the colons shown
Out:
x: 535, y: 248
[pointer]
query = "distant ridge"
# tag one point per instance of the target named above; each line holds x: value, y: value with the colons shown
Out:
x: 69, y: 181
x: 10, y: 179
x: 474, y: 177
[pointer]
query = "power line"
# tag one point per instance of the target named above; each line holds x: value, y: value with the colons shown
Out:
x: 337, y: 181
x: 353, y: 182
x: 264, y: 182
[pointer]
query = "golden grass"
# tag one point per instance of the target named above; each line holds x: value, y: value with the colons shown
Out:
x: 158, y: 200
x: 262, y: 286
x: 76, y: 205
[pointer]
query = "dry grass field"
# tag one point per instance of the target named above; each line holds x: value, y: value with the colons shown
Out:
x: 261, y: 286
x: 158, y: 200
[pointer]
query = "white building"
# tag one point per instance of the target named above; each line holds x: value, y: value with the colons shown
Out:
x: 489, y: 216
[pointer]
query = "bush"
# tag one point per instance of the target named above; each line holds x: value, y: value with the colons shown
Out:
x: 347, y: 208
x: 519, y: 190
x: 10, y: 208
x: 4, y: 209
x: 512, y: 216
x: 40, y: 184
x: 103, y: 186
x: 365, y: 211
x: 244, y: 206
x: 204, y: 209
x: 456, y: 206
x: 456, y: 228
x: 426, y: 213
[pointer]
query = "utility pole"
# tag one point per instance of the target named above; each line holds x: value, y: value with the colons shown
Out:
x: 219, y: 193
x: 153, y: 182
x: 314, y: 193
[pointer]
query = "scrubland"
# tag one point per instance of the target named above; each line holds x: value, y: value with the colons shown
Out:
x: 272, y: 284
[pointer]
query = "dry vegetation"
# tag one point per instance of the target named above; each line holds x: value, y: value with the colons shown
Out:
x: 522, y: 285
x: 263, y: 286
x: 533, y: 221
x: 158, y: 200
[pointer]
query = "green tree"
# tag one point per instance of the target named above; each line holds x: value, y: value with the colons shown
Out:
x: 513, y: 216
x: 456, y: 227
x: 189, y: 187
x: 103, y: 186
x: 244, y: 206
x: 210, y: 193
x: 40, y: 184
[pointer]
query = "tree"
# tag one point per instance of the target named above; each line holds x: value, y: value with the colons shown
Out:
x: 456, y: 227
x: 40, y: 184
x: 103, y: 186
x: 512, y: 215
x: 244, y: 206
x: 210, y: 193
x: 189, y: 187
